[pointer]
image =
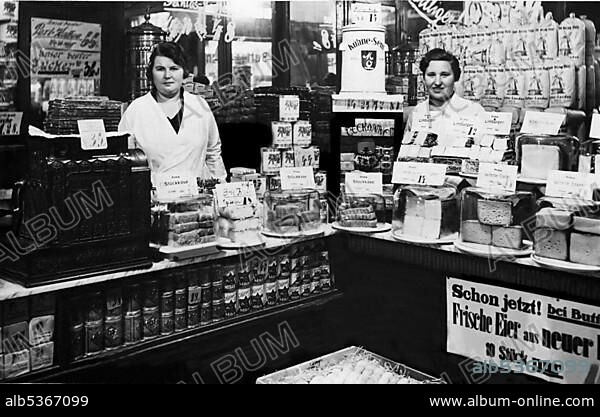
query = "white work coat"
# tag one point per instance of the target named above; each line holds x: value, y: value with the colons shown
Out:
x: 195, y: 149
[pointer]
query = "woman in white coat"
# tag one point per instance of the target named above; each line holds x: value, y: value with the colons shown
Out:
x: 175, y: 129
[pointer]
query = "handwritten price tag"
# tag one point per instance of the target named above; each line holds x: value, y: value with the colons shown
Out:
x: 497, y: 177
x: 235, y: 193
x: 537, y: 123
x: 419, y: 173
x: 93, y: 134
x: 175, y: 185
x: 297, y: 178
x: 289, y: 108
x: 362, y: 183
x: 569, y: 184
x: 494, y: 123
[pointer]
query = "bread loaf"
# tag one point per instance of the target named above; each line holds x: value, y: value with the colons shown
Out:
x: 587, y: 225
x: 507, y: 237
x: 476, y: 232
x: 553, y: 218
x: 550, y: 243
x: 494, y: 212
x: 585, y: 249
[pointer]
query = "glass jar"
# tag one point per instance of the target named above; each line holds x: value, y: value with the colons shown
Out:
x: 425, y: 212
x: 495, y: 218
x: 292, y: 211
x: 361, y: 210
x: 537, y: 155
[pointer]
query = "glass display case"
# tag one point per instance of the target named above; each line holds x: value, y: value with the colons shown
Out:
x: 289, y: 213
x: 426, y: 214
x: 496, y: 219
x: 537, y: 155
x: 183, y: 222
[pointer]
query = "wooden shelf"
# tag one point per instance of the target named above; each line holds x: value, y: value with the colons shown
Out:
x: 162, y: 342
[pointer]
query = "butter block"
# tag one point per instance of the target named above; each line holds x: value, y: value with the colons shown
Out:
x: 476, y: 232
x: 507, y: 237
x: 538, y: 160
x: 587, y: 225
x: 585, y: 249
x: 433, y: 210
x: 412, y: 225
x: 494, y: 212
x: 551, y: 243
x: 553, y: 218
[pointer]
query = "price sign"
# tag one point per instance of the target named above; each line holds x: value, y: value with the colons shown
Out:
x: 390, y: 103
x: 289, y: 108
x: 365, y: 13
x: 537, y: 123
x: 494, y: 123
x: 362, y: 183
x: 10, y: 123
x: 569, y: 184
x: 93, y: 134
x: 419, y: 173
x: 297, y: 178
x: 497, y: 177
x: 235, y: 194
x: 171, y: 186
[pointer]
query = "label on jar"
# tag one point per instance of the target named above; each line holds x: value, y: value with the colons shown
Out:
x: 271, y: 293
x: 258, y: 294
x: 151, y: 294
x: 150, y: 327
x: 180, y: 298
x: 166, y: 324
x: 295, y: 278
x: 284, y: 263
x: 302, y: 133
x: 166, y: 302
x: 218, y: 311
x: 132, y: 328
x: 205, y: 313
x: 94, y: 337
x: 325, y: 283
x: 305, y: 289
x: 194, y: 295
x: 113, y: 334
x: 295, y: 291
x: 325, y: 269
x: 271, y: 160
x: 193, y: 316
x: 282, y: 134
x: 217, y: 290
x: 296, y: 264
x: 230, y: 303
x: 244, y: 299
x: 288, y: 158
x: 315, y: 286
x: 205, y: 293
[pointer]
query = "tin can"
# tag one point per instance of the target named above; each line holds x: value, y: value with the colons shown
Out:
x: 288, y: 157
x: 218, y: 311
x: 257, y: 297
x: 230, y: 303
x: 273, y: 269
x: 95, y: 307
x: 305, y: 289
x: 132, y: 298
x: 263, y: 269
x: 229, y: 277
x: 194, y: 292
x: 76, y: 345
x: 271, y: 293
x: 150, y: 294
x: 205, y: 293
x: 296, y: 264
x: 181, y: 298
x: 132, y: 332
x: 283, y: 287
x: 244, y: 295
x: 315, y: 273
x: 315, y: 286
x: 243, y: 279
x: 151, y: 322
x: 325, y: 283
x: 274, y: 182
x: 217, y: 290
x: 166, y: 302
x: 325, y: 269
x: 193, y: 316
x: 166, y: 324
x: 113, y: 332
x: 295, y: 289
x: 114, y: 302
x: 180, y: 319
x: 205, y: 314
x: 295, y: 251
x: 324, y: 257
x: 94, y: 337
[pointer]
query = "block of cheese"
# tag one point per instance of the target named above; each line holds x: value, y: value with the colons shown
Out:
x: 185, y: 227
x: 538, y: 160
x: 476, y: 232
x: 585, y: 249
x: 178, y: 218
x: 550, y: 243
x: 195, y: 237
x: 507, y: 237
x: 554, y: 218
x: 586, y: 225
x: 494, y: 212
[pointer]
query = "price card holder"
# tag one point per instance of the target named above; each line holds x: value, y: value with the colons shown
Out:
x: 497, y: 177
x: 289, y: 108
x: 567, y: 184
x: 235, y: 194
x: 538, y: 123
x: 494, y: 123
x: 93, y: 134
x: 297, y: 178
x: 174, y: 186
x: 364, y: 183
x: 419, y: 173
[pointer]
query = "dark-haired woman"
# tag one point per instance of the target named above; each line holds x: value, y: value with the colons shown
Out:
x: 175, y: 129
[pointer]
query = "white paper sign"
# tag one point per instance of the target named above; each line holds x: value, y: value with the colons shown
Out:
x: 363, y: 183
x: 497, y: 177
x: 595, y: 128
x: 297, y: 178
x: 10, y: 123
x: 569, y: 184
x: 171, y: 186
x: 289, y: 108
x: 93, y: 134
x: 493, y: 123
x: 537, y: 123
x: 235, y: 194
x: 550, y: 338
x: 383, y: 103
x: 419, y: 173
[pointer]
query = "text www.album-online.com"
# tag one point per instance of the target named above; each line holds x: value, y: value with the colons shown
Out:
x: 534, y: 401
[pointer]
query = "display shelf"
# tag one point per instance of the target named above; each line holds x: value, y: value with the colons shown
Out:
x: 163, y: 342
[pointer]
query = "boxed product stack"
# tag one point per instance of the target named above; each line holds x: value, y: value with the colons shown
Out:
x: 267, y: 103
x: 26, y: 335
x: 63, y: 114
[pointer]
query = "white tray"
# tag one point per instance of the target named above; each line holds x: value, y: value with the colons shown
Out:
x: 381, y: 227
x: 464, y: 174
x: 227, y: 244
x: 184, y: 252
x: 416, y: 239
x: 493, y: 252
x: 304, y: 233
x: 564, y: 265
x: 536, y: 181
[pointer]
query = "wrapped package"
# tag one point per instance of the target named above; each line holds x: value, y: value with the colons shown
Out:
x: 494, y: 86
x: 571, y: 39
x: 497, y: 47
x: 515, y: 91
x: 563, y: 91
x: 545, y: 39
x: 473, y: 83
x: 537, y: 80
